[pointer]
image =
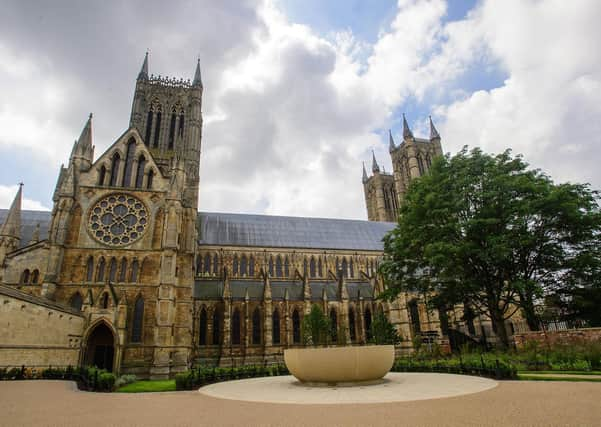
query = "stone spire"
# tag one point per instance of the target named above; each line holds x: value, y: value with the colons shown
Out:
x: 391, y: 145
x: 197, y: 78
x: 407, y: 134
x: 83, y: 150
x: 374, y: 164
x: 143, y: 75
x: 12, y: 224
x: 364, y: 174
x: 433, y: 132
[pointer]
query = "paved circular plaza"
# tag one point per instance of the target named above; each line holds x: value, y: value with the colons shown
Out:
x: 395, y: 387
x: 511, y: 403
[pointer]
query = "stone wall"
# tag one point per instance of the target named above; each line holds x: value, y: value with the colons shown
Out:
x: 559, y: 337
x: 37, y: 333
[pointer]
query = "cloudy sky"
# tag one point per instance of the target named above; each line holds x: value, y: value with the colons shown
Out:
x: 298, y: 92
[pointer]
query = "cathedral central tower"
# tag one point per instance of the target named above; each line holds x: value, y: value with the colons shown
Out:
x: 167, y: 112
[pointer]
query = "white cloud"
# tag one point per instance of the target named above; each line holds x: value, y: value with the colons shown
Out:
x: 7, y: 195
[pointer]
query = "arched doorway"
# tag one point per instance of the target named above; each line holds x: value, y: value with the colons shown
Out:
x: 100, y: 348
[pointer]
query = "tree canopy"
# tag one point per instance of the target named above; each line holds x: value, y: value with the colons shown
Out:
x: 487, y: 231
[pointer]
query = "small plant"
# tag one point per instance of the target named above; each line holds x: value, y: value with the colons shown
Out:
x: 124, y: 380
x: 382, y: 331
x: 316, y: 327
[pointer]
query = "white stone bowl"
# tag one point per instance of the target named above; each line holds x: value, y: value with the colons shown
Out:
x: 339, y: 365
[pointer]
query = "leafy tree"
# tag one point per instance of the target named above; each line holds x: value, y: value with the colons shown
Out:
x: 316, y: 327
x: 382, y: 331
x: 488, y: 231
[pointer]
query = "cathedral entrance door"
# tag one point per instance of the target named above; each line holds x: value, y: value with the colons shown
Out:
x: 100, y: 348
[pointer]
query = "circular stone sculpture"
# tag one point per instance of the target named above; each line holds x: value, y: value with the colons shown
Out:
x: 339, y: 365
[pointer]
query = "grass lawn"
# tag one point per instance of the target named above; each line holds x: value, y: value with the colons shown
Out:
x: 148, y: 386
x: 561, y: 372
x: 557, y: 378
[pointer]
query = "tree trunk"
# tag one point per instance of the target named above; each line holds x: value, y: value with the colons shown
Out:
x: 499, y: 323
x: 529, y: 312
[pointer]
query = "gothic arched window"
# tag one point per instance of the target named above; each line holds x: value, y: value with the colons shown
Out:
x: 76, y: 301
x: 100, y: 270
x: 101, y: 175
x: 367, y: 317
x: 115, y: 169
x: 172, y: 129
x: 351, y: 268
x: 235, y: 266
x: 296, y: 335
x: 420, y: 165
x: 181, y: 125
x: 351, y: 324
x: 270, y: 266
x: 236, y: 327
x: 129, y: 163
x: 319, y: 268
x: 90, y: 269
x: 275, y: 327
x: 344, y: 267
x: 140, y: 171
x: 148, y: 128
x: 312, y: 271
x: 243, y: 266
x: 251, y: 266
x: 134, y: 271
x: 286, y: 267
x: 113, y: 270
x: 207, y: 264
x: 136, y: 328
x: 104, y: 301
x: 215, y: 264
x: 25, y: 276
x: 216, y: 327
x: 157, y: 129
x: 333, y: 325
x: 123, y: 270
x: 414, y: 315
x: 278, y: 266
x: 256, y: 336
x: 150, y: 179
x: 35, y: 276
x: 202, y: 327
x: 305, y: 266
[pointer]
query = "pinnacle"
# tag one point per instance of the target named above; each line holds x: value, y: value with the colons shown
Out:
x: 407, y: 134
x: 433, y: 132
x: 374, y: 164
x: 143, y: 75
x: 197, y: 77
x: 12, y: 223
x: 391, y: 145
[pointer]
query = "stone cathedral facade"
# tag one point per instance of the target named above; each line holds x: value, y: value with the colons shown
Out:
x: 161, y: 286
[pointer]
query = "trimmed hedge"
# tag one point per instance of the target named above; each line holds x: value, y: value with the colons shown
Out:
x: 198, y: 377
x: 87, y: 378
x: 496, y: 369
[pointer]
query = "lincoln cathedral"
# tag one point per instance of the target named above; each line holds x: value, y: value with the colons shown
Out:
x: 127, y: 274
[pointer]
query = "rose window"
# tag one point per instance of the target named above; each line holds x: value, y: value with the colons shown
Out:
x: 118, y: 220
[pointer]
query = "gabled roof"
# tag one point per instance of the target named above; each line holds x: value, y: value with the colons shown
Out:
x: 227, y: 229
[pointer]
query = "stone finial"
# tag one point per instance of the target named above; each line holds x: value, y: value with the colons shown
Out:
x: 407, y: 134
x: 365, y: 178
x: 35, y: 236
x: 375, y: 168
x: 433, y: 132
x: 143, y: 75
x: 391, y: 146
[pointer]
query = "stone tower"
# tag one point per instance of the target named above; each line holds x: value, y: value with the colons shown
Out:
x: 167, y: 112
x: 411, y: 159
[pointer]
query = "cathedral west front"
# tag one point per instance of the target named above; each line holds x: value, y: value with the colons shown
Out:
x: 127, y: 273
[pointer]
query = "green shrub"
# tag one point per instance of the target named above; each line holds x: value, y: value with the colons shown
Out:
x: 106, y: 381
x: 124, y: 380
x: 382, y: 331
x: 316, y: 327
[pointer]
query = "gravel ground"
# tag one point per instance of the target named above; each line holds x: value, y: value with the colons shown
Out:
x: 512, y: 403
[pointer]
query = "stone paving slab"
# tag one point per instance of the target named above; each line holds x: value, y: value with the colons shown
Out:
x: 395, y: 387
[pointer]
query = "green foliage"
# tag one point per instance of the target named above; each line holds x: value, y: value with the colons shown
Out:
x: 487, y: 231
x: 124, y: 380
x: 316, y: 327
x: 201, y: 376
x: 382, y: 331
x: 490, y: 367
